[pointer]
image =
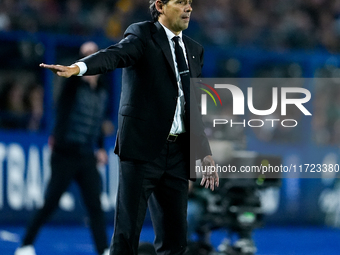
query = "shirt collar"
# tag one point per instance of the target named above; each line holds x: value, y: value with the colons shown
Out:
x: 169, y: 33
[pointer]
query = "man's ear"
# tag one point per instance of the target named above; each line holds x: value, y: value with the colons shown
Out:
x: 159, y: 6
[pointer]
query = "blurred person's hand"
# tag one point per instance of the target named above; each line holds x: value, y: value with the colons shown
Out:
x: 102, y: 157
x: 62, y: 71
x: 210, y: 178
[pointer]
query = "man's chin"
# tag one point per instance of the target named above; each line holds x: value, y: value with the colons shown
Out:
x: 185, y: 26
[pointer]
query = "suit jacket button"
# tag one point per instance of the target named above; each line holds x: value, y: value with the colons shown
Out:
x: 175, y: 98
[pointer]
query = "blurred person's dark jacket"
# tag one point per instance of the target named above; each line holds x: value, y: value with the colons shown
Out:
x: 79, y: 116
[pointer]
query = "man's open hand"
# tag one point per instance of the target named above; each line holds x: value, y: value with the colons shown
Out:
x: 62, y: 71
x: 210, y: 178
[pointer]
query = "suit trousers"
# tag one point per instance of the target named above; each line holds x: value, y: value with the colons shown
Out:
x: 163, y: 185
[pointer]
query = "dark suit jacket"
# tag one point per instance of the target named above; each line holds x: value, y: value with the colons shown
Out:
x: 149, y: 89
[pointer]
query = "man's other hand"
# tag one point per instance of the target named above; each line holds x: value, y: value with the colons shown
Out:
x: 62, y: 71
x: 210, y: 178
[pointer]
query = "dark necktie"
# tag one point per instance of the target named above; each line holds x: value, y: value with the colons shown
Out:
x: 183, y: 71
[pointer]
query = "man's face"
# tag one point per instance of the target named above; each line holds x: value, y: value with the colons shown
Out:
x: 175, y: 15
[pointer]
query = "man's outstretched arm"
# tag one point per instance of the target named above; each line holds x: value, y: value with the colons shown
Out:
x: 62, y: 71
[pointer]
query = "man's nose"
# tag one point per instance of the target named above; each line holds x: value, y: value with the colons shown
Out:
x: 188, y: 7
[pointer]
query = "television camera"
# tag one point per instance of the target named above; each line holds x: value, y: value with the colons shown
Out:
x: 235, y: 206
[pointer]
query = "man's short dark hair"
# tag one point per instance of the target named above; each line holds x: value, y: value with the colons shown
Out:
x: 154, y: 13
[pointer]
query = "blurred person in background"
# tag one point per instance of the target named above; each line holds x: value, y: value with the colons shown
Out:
x: 13, y: 114
x: 21, y: 107
x: 34, y: 100
x: 77, y: 145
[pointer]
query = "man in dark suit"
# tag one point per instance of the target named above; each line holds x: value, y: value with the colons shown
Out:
x: 153, y: 129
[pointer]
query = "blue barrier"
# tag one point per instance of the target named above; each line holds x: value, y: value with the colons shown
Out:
x: 25, y: 172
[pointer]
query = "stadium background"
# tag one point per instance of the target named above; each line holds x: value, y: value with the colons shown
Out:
x: 246, y: 38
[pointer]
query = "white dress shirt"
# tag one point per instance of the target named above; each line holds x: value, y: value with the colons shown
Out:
x: 178, y: 122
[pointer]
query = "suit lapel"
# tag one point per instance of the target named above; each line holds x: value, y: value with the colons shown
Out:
x: 162, y: 40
